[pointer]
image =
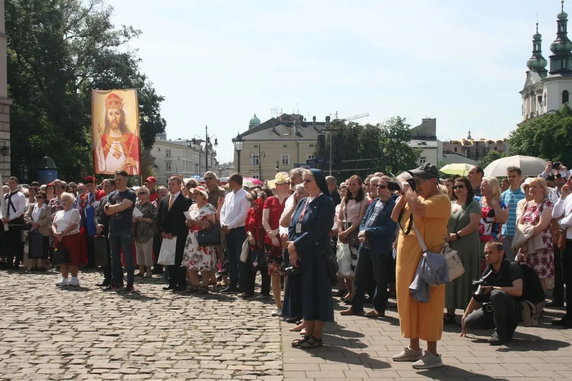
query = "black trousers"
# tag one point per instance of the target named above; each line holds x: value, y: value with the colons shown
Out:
x: 567, y: 272
x: 14, y: 246
x: 503, y: 318
x: 558, y: 291
x: 374, y: 269
x: 178, y: 274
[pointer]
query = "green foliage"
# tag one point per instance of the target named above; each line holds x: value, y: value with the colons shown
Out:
x: 548, y: 136
x: 490, y: 157
x: 358, y: 149
x: 58, y: 51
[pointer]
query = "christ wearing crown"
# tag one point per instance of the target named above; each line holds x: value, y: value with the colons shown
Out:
x: 118, y: 148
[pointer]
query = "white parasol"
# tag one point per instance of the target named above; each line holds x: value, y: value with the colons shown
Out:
x: 529, y: 165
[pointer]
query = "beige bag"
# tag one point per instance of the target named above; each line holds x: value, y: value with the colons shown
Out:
x: 455, y: 267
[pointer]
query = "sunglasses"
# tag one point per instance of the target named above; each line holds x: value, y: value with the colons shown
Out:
x: 381, y: 186
x: 141, y: 193
x: 208, y: 178
x: 458, y: 187
x: 307, y: 181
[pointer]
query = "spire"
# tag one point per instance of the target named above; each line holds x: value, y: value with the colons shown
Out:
x: 469, y: 137
x: 537, y: 63
x: 561, y: 60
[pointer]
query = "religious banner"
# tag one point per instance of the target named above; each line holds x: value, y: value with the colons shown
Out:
x: 115, y: 131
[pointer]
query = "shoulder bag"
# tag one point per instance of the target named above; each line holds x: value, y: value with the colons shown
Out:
x: 455, y: 267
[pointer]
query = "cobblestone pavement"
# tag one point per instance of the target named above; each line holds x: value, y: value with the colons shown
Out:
x: 52, y: 333
x: 67, y: 334
x: 360, y: 348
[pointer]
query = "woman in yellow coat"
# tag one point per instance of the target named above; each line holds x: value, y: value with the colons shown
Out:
x: 430, y: 210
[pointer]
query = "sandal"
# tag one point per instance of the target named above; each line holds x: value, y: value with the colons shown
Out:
x: 298, y: 342
x: 311, y: 342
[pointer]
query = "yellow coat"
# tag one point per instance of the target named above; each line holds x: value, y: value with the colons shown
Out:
x: 416, y: 319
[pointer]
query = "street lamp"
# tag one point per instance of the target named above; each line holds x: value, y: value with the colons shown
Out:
x: 207, y: 142
x: 238, y: 148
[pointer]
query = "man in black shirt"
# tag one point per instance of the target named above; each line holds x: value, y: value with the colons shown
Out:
x: 119, y: 209
x: 502, y: 287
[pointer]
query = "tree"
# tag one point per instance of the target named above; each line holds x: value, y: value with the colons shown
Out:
x: 362, y: 150
x: 58, y: 51
x: 548, y: 136
x: 397, y: 155
x: 489, y: 158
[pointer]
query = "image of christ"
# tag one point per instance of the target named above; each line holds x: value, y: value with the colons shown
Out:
x: 118, y: 148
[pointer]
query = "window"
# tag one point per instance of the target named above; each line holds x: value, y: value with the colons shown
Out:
x: 254, y: 159
x: 167, y: 165
x: 311, y: 146
x: 285, y: 158
x: 565, y: 96
x: 310, y: 156
x: 422, y: 160
x: 168, y: 152
x: 284, y: 145
x: 455, y: 149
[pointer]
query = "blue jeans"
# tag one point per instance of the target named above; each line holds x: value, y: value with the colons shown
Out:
x: 118, y: 241
x: 234, y: 240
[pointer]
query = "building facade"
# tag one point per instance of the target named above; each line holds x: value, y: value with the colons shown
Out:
x: 424, y: 138
x: 474, y: 149
x: 181, y: 157
x: 547, y: 90
x: 278, y: 144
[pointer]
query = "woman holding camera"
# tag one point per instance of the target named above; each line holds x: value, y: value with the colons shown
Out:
x: 308, y: 246
x: 198, y: 258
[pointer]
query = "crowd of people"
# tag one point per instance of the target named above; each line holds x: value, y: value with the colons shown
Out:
x: 306, y: 234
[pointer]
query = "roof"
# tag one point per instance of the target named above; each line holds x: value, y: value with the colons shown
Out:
x: 427, y: 130
x: 285, y: 126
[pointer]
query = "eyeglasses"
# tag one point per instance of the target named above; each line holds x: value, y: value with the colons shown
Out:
x: 208, y: 178
x: 141, y: 193
x: 381, y: 186
x: 39, y: 196
x: 458, y: 187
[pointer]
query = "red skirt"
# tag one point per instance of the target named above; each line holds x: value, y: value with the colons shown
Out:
x: 73, y: 244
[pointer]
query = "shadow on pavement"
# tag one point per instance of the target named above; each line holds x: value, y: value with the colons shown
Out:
x: 343, y: 355
x: 523, y: 342
x: 452, y: 372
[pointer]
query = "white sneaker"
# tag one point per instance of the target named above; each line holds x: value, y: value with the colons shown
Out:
x: 74, y: 282
x: 408, y: 355
x: 428, y: 361
x: 277, y: 312
x: 63, y: 282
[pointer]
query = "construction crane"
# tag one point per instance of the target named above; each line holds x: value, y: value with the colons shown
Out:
x: 353, y: 117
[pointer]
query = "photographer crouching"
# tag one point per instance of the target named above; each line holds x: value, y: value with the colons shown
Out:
x: 500, y: 287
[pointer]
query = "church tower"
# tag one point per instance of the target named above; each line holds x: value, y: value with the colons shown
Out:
x: 561, y: 60
x: 532, y: 93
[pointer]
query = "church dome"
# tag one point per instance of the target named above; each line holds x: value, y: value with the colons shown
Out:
x: 562, y: 16
x: 254, y: 121
x: 536, y: 63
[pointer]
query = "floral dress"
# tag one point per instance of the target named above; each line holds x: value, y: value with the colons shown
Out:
x: 542, y: 261
x: 195, y: 257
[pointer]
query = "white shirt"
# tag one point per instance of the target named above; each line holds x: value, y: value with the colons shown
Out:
x: 63, y: 219
x: 287, y: 205
x: 235, y: 209
x: 564, y: 208
x: 37, y: 211
x: 19, y: 203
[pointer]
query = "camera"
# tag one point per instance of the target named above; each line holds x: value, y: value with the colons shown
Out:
x: 480, y: 295
x: 556, y: 165
x: 412, y: 184
x: 393, y: 186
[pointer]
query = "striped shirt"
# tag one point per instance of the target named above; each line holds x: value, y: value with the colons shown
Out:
x: 510, y: 199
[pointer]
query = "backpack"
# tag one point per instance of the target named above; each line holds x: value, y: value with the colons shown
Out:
x: 532, y: 294
x: 532, y: 288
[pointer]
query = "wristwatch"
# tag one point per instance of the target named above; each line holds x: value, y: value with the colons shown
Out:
x: 457, y: 235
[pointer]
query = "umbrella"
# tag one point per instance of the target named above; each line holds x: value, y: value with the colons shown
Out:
x: 252, y: 182
x: 529, y: 165
x: 460, y: 169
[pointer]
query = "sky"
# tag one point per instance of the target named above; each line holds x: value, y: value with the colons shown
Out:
x: 218, y: 62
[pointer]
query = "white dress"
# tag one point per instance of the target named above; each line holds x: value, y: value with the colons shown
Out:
x: 195, y: 257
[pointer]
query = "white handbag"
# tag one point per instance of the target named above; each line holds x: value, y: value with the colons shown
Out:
x: 455, y: 267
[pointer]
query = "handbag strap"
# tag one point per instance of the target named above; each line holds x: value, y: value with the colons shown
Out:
x: 419, y: 238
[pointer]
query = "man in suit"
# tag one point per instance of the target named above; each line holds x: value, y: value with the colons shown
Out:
x: 171, y: 220
x: 375, y: 260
